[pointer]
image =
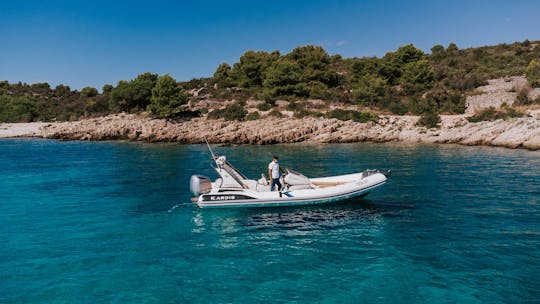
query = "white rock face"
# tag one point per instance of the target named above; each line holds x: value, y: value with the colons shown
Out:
x: 25, y: 129
x: 513, y: 133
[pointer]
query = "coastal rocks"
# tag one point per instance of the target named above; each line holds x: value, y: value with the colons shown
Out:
x: 533, y: 143
x: 513, y: 133
x: 30, y: 129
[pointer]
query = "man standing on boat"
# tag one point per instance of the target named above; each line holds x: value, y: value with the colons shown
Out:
x: 273, y: 172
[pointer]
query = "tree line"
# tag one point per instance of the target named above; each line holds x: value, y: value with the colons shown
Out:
x: 406, y: 80
x: 160, y: 96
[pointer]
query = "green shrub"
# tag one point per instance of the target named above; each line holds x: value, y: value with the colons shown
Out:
x: 269, y: 99
x: 394, y: 62
x: 438, y: 52
x: 263, y: 106
x: 448, y: 101
x: 491, y: 114
x: 235, y: 111
x: 416, y: 76
x: 418, y: 105
x: 317, y: 114
x: 107, y: 88
x: 215, y: 114
x: 275, y: 113
x: 319, y: 90
x: 89, y: 92
x: 134, y: 95
x: 222, y: 76
x: 429, y: 120
x: 284, y: 78
x: 533, y: 73
x: 488, y: 114
x: 352, y: 115
x: 16, y: 109
x: 370, y: 90
x: 398, y: 108
x: 295, y: 106
x: 513, y: 113
x: 346, y: 98
x: 300, y: 113
x: 252, y: 67
x: 267, y: 105
x: 461, y: 80
x: 221, y: 94
x: 253, y: 116
x: 167, y: 99
x: 452, y: 47
x: 242, y: 96
x: 97, y: 105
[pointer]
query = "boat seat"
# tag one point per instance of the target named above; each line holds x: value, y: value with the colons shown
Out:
x: 299, y: 187
x: 327, y: 184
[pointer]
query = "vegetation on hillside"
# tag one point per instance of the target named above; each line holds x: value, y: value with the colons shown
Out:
x: 491, y: 114
x: 406, y: 80
x: 235, y: 111
x: 166, y: 100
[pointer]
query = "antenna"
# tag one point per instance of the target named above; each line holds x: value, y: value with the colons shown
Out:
x: 209, y: 148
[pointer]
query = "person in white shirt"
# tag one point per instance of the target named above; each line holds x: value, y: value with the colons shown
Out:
x: 273, y: 172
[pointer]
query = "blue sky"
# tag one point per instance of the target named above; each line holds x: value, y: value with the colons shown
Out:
x: 99, y: 42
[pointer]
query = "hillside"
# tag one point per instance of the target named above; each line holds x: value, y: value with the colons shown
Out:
x: 404, y: 81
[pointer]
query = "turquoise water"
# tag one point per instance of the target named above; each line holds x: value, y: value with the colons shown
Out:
x: 112, y: 222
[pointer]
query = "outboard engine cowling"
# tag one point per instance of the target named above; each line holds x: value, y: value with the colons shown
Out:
x: 200, y: 184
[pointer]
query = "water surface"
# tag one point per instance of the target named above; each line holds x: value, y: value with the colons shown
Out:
x: 112, y: 222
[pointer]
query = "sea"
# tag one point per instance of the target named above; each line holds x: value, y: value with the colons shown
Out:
x: 113, y: 222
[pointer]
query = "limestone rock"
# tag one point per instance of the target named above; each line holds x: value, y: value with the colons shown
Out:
x: 514, y: 133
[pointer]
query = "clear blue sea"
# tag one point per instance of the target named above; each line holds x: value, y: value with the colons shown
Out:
x: 112, y: 222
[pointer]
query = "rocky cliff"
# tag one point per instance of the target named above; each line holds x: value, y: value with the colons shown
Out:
x: 513, y: 133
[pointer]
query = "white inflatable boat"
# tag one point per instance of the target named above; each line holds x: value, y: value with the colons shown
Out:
x: 233, y: 189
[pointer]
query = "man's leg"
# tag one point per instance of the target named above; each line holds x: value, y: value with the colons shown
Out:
x: 273, y: 184
x: 278, y: 183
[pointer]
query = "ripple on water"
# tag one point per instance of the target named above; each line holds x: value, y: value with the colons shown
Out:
x: 113, y: 222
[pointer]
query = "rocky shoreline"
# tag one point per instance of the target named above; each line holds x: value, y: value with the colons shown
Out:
x: 455, y: 129
x: 521, y: 132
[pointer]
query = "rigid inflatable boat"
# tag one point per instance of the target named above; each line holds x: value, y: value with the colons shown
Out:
x: 233, y: 189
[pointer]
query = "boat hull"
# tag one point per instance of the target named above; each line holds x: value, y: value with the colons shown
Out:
x: 346, y: 191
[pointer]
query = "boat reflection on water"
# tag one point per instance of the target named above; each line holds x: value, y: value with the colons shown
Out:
x: 261, y: 226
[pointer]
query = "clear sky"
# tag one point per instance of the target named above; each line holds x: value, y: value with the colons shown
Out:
x: 91, y: 43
